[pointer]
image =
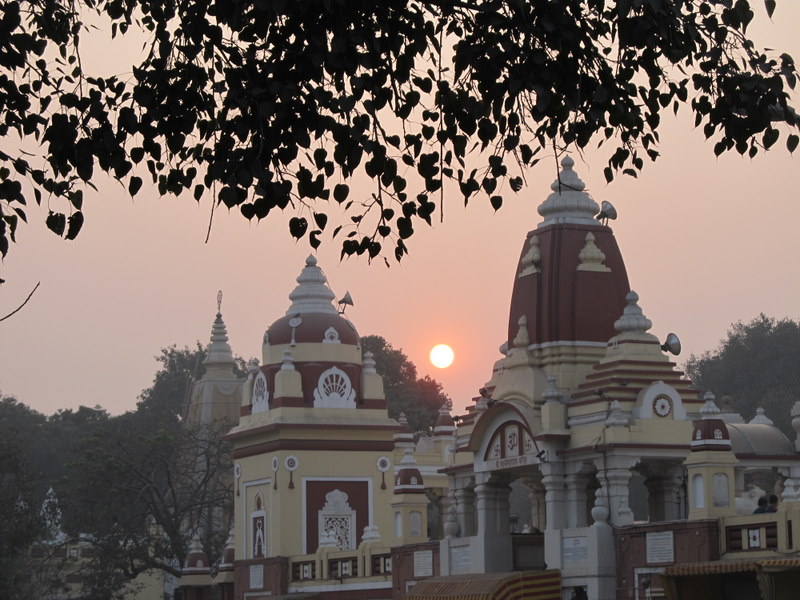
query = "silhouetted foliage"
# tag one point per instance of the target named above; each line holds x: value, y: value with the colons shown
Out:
x: 756, y: 365
x: 274, y: 106
x: 418, y: 399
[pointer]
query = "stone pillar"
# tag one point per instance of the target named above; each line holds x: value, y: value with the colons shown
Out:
x: 575, y: 496
x: 553, y: 482
x: 493, y: 507
x: 536, y: 496
x: 465, y: 511
x: 491, y: 499
x: 615, y: 478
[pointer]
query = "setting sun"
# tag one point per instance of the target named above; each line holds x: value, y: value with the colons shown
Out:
x: 442, y: 356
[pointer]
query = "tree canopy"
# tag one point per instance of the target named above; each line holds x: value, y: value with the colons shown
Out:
x: 276, y: 106
x: 418, y: 398
x: 756, y: 365
x: 136, y: 487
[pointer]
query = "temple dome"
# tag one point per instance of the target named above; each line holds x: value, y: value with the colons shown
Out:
x: 311, y: 317
x: 408, y: 479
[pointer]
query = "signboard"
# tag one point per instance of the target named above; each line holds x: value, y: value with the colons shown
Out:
x: 575, y: 549
x: 423, y: 563
x: 660, y: 547
x: 256, y: 577
x: 460, y: 560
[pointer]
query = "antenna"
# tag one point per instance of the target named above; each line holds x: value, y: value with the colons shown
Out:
x: 607, y: 212
x: 672, y: 344
x: 345, y: 301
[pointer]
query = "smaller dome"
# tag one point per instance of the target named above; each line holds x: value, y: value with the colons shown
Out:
x: 313, y: 328
x: 445, y: 425
x: 757, y: 439
x: 312, y: 317
x: 408, y: 479
x: 196, y: 560
x: 710, y: 432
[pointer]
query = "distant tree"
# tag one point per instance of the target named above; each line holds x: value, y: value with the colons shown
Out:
x: 272, y: 107
x: 142, y: 485
x: 418, y: 399
x: 20, y: 499
x: 141, y: 490
x: 172, y: 384
x: 757, y: 366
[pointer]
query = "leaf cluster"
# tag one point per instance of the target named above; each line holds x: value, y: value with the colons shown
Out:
x: 277, y: 106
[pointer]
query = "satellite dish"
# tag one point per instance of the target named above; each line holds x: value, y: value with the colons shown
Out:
x: 607, y: 212
x: 672, y: 344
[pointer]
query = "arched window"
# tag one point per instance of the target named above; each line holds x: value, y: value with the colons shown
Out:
x: 719, y: 490
x: 258, y: 529
x: 698, y: 491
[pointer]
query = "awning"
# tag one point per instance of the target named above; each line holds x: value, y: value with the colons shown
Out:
x: 523, y: 585
x: 718, y: 567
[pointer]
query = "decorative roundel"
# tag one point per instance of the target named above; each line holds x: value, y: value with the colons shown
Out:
x: 275, y: 464
x: 237, y: 470
x: 383, y: 464
x: 662, y: 405
x: 291, y: 463
x: 295, y: 321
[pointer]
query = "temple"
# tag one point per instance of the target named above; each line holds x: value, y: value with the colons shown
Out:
x: 587, y: 467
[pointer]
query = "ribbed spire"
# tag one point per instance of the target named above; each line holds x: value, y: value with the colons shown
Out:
x: 312, y: 295
x: 219, y: 351
x: 569, y: 202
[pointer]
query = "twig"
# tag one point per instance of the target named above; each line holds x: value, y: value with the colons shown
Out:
x: 16, y: 310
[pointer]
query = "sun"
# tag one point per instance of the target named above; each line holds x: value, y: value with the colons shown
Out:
x: 442, y: 356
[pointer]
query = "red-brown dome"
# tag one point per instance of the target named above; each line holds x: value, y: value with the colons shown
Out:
x: 408, y: 479
x: 312, y: 318
x: 196, y: 559
x: 312, y: 328
x: 571, y: 281
x: 710, y: 432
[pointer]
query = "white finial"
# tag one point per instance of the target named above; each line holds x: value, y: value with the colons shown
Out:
x: 569, y: 202
x: 369, y: 362
x: 616, y: 416
x: 288, y: 360
x: 632, y: 319
x: 710, y: 410
x: 591, y: 257
x: 219, y: 301
x: 408, y: 457
x: 761, y: 418
x: 522, y: 339
x: 312, y: 294
x: 551, y: 393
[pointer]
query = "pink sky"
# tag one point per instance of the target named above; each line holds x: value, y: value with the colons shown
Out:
x: 706, y: 242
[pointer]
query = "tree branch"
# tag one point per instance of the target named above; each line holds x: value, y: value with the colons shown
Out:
x: 16, y: 310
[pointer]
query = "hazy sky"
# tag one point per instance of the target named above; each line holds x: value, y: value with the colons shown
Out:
x: 706, y: 241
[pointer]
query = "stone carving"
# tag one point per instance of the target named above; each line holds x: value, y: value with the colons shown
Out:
x: 337, y: 521
x: 334, y: 390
